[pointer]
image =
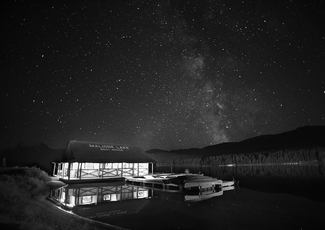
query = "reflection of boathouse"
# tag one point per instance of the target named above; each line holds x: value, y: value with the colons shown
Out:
x: 102, y: 200
x: 84, y: 161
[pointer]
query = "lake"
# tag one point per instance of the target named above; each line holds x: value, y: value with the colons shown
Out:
x: 267, y: 197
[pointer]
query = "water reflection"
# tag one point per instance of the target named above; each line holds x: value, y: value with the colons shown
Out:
x: 302, y: 180
x: 268, y: 198
x: 205, y: 195
x: 98, y: 200
x: 308, y: 171
x: 114, y: 199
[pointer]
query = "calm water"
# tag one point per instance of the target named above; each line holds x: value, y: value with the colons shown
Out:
x: 270, y: 197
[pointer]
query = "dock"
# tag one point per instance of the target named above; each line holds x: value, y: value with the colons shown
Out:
x: 159, y: 181
x: 179, y: 182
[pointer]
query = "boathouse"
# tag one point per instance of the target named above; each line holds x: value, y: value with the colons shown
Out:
x: 83, y: 161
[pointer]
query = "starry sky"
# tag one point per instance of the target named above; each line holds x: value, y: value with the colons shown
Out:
x: 159, y: 74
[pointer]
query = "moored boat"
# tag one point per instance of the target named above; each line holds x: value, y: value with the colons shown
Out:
x: 202, y: 196
x: 179, y: 182
x: 206, y: 194
x: 167, y: 182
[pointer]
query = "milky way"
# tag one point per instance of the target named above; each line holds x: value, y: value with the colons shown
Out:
x: 160, y: 74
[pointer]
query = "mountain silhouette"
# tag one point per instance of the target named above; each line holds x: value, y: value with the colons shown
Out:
x: 303, y: 137
x: 39, y: 155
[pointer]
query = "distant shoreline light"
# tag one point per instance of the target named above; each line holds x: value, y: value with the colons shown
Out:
x: 267, y: 164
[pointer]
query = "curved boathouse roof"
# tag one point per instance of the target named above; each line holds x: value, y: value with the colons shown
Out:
x: 94, y: 152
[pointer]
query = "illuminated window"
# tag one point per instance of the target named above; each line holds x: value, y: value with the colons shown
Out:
x: 86, y: 200
x: 143, y: 165
x: 117, y: 165
x: 127, y: 165
x: 91, y: 165
x: 107, y: 197
x: 142, y: 194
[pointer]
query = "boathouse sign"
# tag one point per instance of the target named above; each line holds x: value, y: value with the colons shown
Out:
x: 104, y: 147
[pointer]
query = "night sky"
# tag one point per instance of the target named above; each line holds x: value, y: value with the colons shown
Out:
x: 159, y: 74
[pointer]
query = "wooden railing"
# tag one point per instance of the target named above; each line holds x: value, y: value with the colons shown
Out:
x: 89, y: 173
x: 108, y: 172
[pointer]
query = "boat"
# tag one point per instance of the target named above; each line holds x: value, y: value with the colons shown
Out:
x: 179, y: 182
x: 207, y: 194
x: 168, y: 182
x: 203, y: 196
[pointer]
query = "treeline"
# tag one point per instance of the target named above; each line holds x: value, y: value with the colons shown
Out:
x: 306, y: 155
x: 278, y: 171
x: 172, y: 159
x: 283, y: 171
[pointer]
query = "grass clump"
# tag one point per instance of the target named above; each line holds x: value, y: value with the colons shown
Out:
x: 23, y: 203
x: 20, y: 188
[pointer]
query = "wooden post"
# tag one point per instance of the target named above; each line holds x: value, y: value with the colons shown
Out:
x: 103, y: 167
x: 76, y: 197
x: 77, y: 173
x: 66, y: 195
x: 98, y: 174
x: 122, y: 170
x: 80, y: 171
x: 63, y: 170
x: 60, y: 194
x: 58, y: 169
x: 54, y: 168
x: 69, y: 168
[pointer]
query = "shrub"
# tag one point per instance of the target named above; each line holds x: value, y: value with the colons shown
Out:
x: 18, y: 186
x: 37, y: 174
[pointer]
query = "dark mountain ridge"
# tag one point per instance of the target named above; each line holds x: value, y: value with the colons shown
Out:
x: 39, y: 155
x: 303, y: 137
x: 309, y: 136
